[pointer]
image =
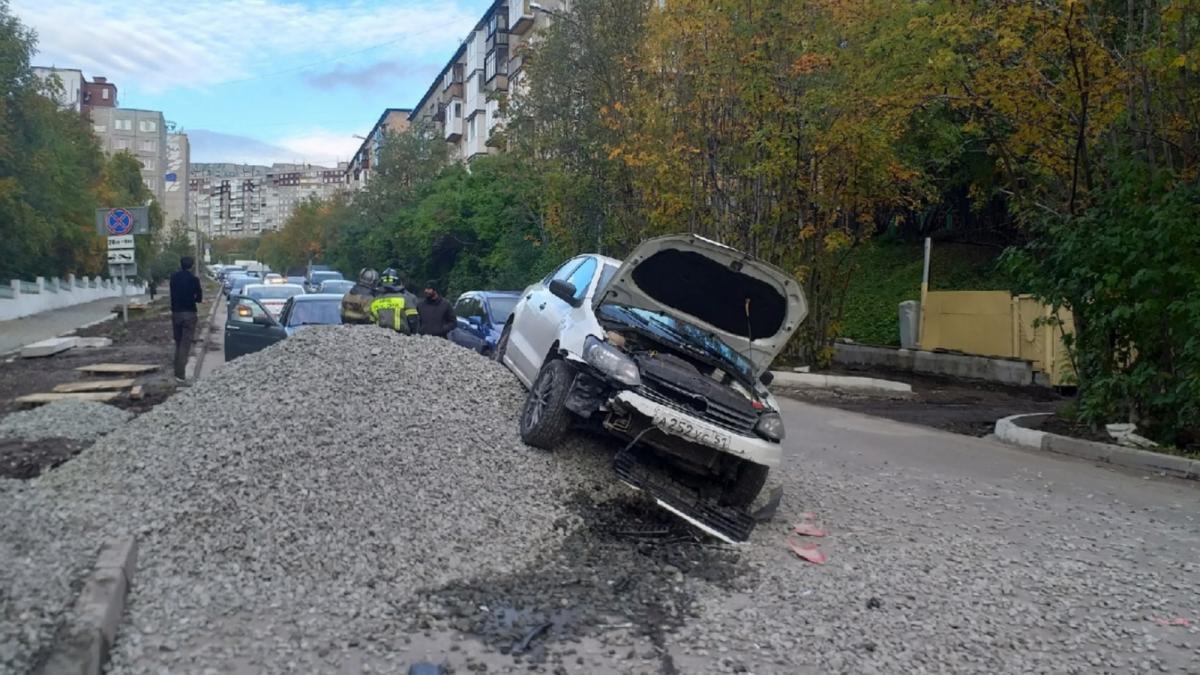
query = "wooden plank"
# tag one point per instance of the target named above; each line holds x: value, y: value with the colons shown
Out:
x: 39, y: 399
x: 136, y: 393
x: 93, y: 385
x: 117, y: 368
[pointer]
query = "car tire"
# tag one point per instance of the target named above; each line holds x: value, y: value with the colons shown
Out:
x: 502, y: 343
x: 746, y: 485
x: 544, y: 417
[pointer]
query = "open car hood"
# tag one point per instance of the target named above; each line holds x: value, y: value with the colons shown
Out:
x: 710, y: 286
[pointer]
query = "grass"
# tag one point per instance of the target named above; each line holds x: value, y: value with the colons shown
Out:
x: 889, y: 272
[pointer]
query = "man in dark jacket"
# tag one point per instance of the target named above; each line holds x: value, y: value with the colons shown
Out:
x: 185, y: 293
x: 437, y: 316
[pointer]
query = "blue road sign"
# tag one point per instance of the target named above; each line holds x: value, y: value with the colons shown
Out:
x: 119, y: 222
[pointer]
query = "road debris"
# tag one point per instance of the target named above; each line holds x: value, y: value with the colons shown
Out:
x: 1177, y: 621
x: 808, y: 551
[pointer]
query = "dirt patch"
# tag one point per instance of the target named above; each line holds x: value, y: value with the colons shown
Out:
x: 1056, y: 424
x: 960, y: 406
x: 23, y: 459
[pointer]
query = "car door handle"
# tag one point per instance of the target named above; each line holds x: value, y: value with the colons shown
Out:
x: 542, y: 306
x: 529, y: 297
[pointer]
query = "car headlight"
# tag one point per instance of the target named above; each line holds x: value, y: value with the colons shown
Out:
x: 611, y: 361
x: 770, y: 426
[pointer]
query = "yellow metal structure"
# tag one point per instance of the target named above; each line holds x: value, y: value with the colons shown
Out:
x: 997, y: 323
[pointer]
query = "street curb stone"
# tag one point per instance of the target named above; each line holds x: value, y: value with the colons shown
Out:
x: 1011, y: 431
x: 202, y: 344
x: 87, y: 637
x: 839, y: 382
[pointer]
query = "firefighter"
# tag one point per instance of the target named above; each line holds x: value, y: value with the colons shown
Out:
x: 394, y: 307
x: 356, y: 304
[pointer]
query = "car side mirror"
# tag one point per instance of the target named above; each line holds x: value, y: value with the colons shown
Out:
x: 261, y: 320
x: 766, y: 378
x: 565, y: 291
x: 476, y: 321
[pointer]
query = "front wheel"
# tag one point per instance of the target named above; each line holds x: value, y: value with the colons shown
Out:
x: 545, y: 418
x: 746, y: 485
x: 502, y: 343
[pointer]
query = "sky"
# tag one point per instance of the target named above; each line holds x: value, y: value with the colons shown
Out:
x: 257, y: 81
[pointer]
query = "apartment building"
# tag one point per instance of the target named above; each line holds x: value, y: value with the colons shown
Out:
x: 358, y: 171
x: 77, y: 93
x: 177, y: 202
x: 142, y: 133
x: 466, y: 103
x: 246, y: 200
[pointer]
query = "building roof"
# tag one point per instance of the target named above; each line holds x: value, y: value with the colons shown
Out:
x: 386, y: 111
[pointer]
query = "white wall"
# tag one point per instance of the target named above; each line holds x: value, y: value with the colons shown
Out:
x: 26, y: 304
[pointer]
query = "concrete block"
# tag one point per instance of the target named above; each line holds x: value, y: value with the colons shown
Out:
x: 102, y: 601
x: 1173, y: 465
x: 119, y: 554
x: 80, y: 652
x: 869, y: 356
x: 47, y: 348
x: 840, y: 382
x: 92, y: 342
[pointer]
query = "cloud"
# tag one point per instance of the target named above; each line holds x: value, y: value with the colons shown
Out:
x: 371, y: 76
x: 315, y: 146
x: 160, y: 46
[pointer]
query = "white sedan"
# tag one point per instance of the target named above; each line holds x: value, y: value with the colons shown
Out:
x: 670, y: 348
x: 272, y: 296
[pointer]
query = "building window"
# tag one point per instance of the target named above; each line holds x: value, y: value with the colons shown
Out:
x: 99, y: 128
x: 148, y: 163
x: 123, y: 125
x: 457, y: 109
x: 120, y: 144
x: 104, y: 94
x: 147, y: 126
x: 149, y: 145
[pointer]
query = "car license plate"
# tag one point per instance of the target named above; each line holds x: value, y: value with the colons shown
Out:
x: 690, y: 430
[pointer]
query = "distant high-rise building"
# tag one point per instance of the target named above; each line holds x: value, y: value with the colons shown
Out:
x: 143, y: 134
x: 392, y: 121
x: 177, y: 203
x: 71, y: 81
x: 246, y: 200
x: 99, y: 93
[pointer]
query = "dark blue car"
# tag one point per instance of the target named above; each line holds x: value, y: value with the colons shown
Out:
x: 481, y: 317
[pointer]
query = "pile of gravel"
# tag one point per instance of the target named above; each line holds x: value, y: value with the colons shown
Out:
x: 75, y: 420
x: 290, y: 504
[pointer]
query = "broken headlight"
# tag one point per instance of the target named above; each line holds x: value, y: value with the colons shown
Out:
x: 770, y: 426
x: 611, y: 361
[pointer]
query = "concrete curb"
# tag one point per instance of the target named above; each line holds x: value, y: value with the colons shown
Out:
x: 1011, y: 431
x: 86, y: 638
x: 839, y: 382
x: 194, y: 365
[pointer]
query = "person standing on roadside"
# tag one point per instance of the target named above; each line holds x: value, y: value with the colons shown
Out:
x: 437, y: 316
x: 185, y: 293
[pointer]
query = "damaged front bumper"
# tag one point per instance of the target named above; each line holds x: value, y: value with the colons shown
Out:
x: 668, y: 421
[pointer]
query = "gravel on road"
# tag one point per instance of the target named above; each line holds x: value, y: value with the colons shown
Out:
x: 76, y: 420
x: 352, y: 500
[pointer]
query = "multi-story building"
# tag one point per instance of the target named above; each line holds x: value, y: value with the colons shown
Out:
x: 77, y: 93
x: 142, y: 133
x: 392, y: 121
x: 467, y: 101
x: 177, y: 203
x: 246, y: 200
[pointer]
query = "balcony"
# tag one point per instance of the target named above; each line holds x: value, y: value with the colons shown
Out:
x: 452, y: 130
x: 495, y: 70
x: 520, y: 16
x: 496, y: 40
x: 452, y: 81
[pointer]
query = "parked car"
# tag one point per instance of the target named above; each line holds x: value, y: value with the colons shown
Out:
x: 339, y: 286
x: 228, y: 271
x: 250, y: 327
x: 298, y: 280
x: 272, y: 296
x: 481, y: 318
x: 317, y: 277
x: 670, y: 348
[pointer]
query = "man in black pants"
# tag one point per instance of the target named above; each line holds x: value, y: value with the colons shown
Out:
x: 185, y: 293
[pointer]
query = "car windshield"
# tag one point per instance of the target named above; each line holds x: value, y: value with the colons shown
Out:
x: 318, y: 277
x: 606, y: 276
x: 501, y: 308
x: 316, y: 313
x: 274, y: 292
x: 241, y: 282
x: 660, y: 326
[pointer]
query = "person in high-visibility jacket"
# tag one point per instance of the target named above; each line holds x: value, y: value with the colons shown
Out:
x: 356, y: 304
x: 394, y: 307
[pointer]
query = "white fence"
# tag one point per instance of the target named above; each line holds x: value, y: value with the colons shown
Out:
x: 23, y: 298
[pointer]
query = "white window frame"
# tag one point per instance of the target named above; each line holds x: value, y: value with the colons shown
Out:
x: 104, y: 93
x: 147, y: 126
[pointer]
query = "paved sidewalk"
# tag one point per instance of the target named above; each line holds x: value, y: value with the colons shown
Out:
x: 17, y: 333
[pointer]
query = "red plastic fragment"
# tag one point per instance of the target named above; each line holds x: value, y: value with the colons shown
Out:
x: 1177, y: 621
x: 808, y: 551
